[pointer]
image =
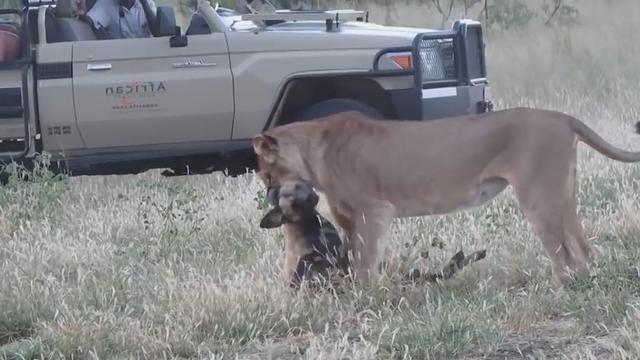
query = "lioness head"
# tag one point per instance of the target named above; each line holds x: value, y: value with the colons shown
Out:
x: 278, y: 160
x: 292, y: 201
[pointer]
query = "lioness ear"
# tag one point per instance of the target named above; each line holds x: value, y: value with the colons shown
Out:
x: 272, y: 219
x: 265, y: 146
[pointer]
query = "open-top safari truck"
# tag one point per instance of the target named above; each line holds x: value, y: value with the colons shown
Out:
x: 191, y: 100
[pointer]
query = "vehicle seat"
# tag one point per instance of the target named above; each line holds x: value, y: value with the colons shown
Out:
x: 198, y: 25
x: 89, y: 4
x: 70, y: 28
x: 9, y: 42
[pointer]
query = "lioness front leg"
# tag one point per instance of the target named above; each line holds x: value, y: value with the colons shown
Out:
x: 367, y: 241
x: 344, y: 221
x: 346, y: 224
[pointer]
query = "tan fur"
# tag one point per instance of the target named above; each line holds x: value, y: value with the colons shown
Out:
x: 373, y: 171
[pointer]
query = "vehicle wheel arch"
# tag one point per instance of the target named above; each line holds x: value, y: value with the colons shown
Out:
x: 301, y: 92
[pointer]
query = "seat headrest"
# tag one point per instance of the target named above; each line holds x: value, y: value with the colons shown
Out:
x: 90, y: 4
x: 66, y: 8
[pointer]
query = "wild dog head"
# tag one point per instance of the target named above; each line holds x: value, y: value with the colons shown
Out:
x: 292, y: 202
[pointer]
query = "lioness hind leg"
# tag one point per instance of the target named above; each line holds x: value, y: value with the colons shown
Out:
x: 544, y: 182
x: 574, y: 228
x: 571, y: 217
x: 548, y: 212
x: 579, y: 247
x: 549, y: 228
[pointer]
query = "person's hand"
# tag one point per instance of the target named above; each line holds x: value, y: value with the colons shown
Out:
x: 85, y: 18
x: 81, y: 8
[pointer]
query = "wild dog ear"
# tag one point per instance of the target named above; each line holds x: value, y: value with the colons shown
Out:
x: 313, y: 199
x: 305, y: 191
x: 265, y: 146
x: 272, y: 219
x: 273, y: 194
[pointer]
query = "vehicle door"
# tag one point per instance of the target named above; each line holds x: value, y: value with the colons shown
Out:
x: 144, y: 92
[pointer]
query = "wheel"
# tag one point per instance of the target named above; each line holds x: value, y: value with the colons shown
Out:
x: 334, y: 106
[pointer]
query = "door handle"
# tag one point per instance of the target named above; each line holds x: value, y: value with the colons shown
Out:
x: 478, y: 81
x: 189, y: 64
x: 98, y: 67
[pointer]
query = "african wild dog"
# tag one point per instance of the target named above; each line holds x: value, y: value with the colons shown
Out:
x: 313, y: 247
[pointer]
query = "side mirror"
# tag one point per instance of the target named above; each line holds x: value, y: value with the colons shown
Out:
x: 178, y: 40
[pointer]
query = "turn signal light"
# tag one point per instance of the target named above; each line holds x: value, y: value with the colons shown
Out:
x: 404, y: 61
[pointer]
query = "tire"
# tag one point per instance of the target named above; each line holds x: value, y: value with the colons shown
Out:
x: 334, y: 106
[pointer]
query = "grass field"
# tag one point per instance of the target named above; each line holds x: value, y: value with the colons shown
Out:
x: 148, y: 267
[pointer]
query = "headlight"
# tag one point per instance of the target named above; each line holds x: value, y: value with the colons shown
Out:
x: 436, y: 60
x: 430, y: 61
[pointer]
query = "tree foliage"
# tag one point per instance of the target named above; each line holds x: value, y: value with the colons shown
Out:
x: 499, y: 14
x: 10, y: 4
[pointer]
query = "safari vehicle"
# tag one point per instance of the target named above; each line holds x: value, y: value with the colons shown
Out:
x: 191, y: 101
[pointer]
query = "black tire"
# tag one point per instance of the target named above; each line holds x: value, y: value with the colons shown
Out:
x: 334, y: 106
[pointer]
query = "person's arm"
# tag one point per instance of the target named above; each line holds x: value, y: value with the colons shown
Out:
x: 81, y: 8
x: 98, y: 17
x: 149, y: 7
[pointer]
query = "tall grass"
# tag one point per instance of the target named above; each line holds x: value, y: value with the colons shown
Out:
x: 148, y: 267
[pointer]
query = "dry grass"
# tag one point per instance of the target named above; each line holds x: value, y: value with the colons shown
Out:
x: 148, y: 267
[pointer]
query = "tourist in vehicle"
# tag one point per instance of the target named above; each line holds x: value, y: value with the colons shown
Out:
x: 9, y: 41
x: 121, y: 18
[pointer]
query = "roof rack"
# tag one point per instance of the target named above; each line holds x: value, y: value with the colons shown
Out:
x: 36, y: 3
x: 331, y: 18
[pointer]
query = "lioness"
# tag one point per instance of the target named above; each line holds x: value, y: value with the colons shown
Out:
x: 372, y: 171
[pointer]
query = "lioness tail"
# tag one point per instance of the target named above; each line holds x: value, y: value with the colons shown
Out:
x: 591, y: 138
